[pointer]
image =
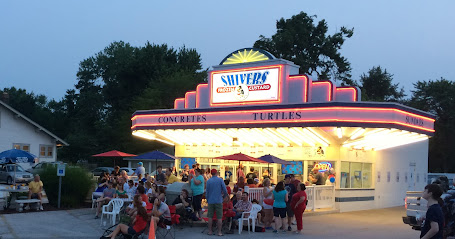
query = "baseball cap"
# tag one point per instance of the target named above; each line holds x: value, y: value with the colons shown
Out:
x: 140, y: 163
x: 256, y: 180
x: 287, y: 176
x: 213, y: 171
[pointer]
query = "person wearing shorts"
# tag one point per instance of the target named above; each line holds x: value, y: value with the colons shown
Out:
x: 280, y: 198
x: 215, y: 192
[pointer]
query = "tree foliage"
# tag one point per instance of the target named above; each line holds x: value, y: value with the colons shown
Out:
x: 307, y: 44
x: 96, y: 115
x: 378, y: 86
x: 438, y: 97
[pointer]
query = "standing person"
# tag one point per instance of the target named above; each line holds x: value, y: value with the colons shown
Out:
x: 266, y: 174
x: 227, y: 174
x: 207, y: 174
x: 192, y: 172
x: 185, y: 173
x: 295, y: 181
x: 267, y: 207
x: 280, y: 198
x: 316, y: 177
x: 139, y: 170
x: 174, y: 171
x: 34, y: 191
x: 197, y: 186
x: 298, y: 204
x: 160, y: 177
x: 434, y: 218
x: 240, y: 172
x: 290, y: 188
x: 251, y: 175
x: 216, y: 191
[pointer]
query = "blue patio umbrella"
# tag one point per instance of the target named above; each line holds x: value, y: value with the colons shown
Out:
x: 16, y: 156
x: 156, y: 155
x: 273, y: 159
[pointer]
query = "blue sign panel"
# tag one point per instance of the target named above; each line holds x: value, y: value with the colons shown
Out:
x: 189, y: 161
x: 294, y: 168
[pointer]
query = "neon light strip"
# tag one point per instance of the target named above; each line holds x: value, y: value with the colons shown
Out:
x: 306, y: 85
x: 330, y: 87
x: 187, y: 94
x: 198, y: 93
x: 176, y: 102
x: 349, y: 88
x: 280, y: 72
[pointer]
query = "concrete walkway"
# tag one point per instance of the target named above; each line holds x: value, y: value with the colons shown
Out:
x: 370, y: 224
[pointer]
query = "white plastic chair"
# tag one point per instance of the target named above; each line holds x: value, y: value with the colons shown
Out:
x: 253, y: 214
x: 112, y: 209
x: 95, y: 195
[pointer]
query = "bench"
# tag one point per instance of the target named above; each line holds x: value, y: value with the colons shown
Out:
x: 21, y: 202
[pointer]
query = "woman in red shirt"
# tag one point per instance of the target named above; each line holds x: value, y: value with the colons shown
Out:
x: 139, y: 223
x: 298, y: 205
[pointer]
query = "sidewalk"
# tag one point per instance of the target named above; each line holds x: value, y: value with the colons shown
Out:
x: 80, y: 223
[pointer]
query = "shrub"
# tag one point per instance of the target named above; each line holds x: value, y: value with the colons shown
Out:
x: 75, y: 185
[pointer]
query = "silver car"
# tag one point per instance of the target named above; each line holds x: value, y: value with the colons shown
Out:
x: 7, y: 174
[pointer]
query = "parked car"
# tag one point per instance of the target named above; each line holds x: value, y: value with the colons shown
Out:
x: 7, y: 174
x: 42, y: 165
x: 100, y: 171
x: 129, y: 171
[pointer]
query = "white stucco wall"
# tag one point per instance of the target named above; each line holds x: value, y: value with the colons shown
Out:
x: 16, y: 130
x: 402, y: 160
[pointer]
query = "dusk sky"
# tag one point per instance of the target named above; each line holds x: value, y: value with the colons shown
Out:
x: 42, y: 42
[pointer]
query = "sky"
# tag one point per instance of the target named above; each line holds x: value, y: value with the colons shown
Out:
x: 43, y: 42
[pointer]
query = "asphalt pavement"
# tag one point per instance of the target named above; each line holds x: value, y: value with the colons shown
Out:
x: 80, y: 223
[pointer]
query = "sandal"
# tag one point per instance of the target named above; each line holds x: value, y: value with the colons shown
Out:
x: 220, y: 235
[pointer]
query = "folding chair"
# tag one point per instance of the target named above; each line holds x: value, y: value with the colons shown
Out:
x: 164, y: 230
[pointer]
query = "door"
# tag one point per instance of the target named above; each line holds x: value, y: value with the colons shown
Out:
x: 412, y: 177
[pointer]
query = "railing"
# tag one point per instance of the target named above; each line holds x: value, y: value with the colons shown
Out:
x: 318, y: 196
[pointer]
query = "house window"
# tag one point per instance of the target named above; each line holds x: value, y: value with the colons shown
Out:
x: 25, y: 147
x: 356, y: 175
x: 46, y: 151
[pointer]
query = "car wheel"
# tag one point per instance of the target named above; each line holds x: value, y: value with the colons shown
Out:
x: 9, y: 180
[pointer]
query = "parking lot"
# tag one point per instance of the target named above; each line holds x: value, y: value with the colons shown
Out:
x: 371, y: 224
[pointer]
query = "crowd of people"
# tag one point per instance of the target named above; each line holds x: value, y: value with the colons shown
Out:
x: 281, y: 202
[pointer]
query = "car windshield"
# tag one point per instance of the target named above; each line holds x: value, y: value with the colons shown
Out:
x: 10, y: 168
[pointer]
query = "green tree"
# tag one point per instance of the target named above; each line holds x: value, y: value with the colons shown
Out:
x: 377, y: 86
x: 308, y: 45
x: 438, y: 97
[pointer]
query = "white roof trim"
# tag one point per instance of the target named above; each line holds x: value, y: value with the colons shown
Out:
x: 33, y: 123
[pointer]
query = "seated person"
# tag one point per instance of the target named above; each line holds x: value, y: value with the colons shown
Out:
x: 242, y: 206
x: 141, y: 191
x: 160, y: 177
x: 240, y: 184
x: 139, y: 224
x: 228, y: 210
x: 120, y: 192
x: 250, y: 183
x: 139, y: 178
x: 34, y: 191
x: 102, y: 186
x: 124, y: 175
x: 162, y: 193
x: 183, y: 204
x: 146, y: 176
x: 130, y: 188
x: 108, y: 194
x: 170, y: 177
x: 161, y: 215
x: 132, y: 208
x: 237, y: 197
x: 228, y: 188
x: 153, y: 191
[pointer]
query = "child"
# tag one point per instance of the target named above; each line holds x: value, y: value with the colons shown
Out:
x: 228, y: 188
x: 434, y: 218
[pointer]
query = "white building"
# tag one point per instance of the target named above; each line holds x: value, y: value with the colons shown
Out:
x: 19, y: 132
x: 257, y: 104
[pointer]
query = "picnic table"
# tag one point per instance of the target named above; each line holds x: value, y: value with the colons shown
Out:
x: 13, y: 195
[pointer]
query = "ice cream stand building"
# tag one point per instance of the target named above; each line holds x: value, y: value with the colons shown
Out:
x: 256, y: 104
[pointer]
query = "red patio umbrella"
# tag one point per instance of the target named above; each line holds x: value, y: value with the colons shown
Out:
x: 114, y: 154
x: 241, y: 157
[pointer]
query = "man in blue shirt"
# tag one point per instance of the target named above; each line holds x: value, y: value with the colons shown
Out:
x: 215, y: 192
x: 139, y: 170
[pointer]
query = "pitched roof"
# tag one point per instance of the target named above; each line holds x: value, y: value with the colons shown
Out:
x: 20, y: 115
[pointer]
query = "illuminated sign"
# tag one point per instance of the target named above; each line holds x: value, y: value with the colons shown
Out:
x: 367, y: 116
x: 247, y: 85
x: 323, y: 166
